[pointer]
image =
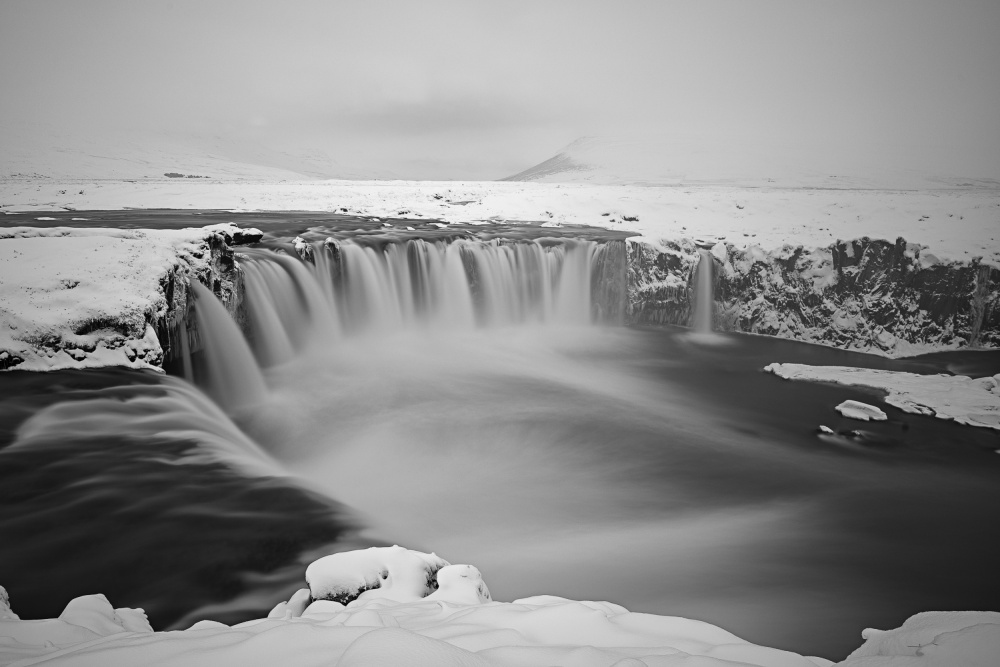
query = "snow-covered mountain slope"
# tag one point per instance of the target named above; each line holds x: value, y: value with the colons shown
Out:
x: 394, y: 606
x: 658, y: 160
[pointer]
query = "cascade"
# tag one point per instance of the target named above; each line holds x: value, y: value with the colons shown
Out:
x: 170, y: 409
x: 231, y: 375
x: 704, y: 301
x: 349, y: 288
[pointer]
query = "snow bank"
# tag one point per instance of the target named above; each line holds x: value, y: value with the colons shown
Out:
x: 85, y: 622
x: 975, y: 402
x: 77, y: 298
x: 399, y: 622
x: 933, y: 639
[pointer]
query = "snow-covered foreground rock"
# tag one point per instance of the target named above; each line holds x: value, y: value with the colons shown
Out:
x: 391, y: 606
x: 78, y: 298
x: 973, y: 401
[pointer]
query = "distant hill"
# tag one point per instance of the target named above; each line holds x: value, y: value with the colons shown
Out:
x: 641, y: 160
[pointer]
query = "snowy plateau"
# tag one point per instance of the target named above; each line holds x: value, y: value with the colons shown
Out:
x: 394, y: 606
x: 894, y: 273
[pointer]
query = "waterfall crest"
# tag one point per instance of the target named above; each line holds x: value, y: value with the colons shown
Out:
x: 347, y: 288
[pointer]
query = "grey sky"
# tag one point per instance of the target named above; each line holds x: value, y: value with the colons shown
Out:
x: 482, y: 90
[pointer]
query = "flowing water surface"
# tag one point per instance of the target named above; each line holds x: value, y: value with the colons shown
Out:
x: 474, y: 397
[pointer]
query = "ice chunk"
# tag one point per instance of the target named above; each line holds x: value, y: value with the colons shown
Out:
x: 862, y: 411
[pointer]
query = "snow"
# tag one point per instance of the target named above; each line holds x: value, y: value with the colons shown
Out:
x: 933, y: 639
x: 972, y: 401
x: 861, y: 411
x: 955, y: 224
x: 76, y: 298
x: 401, y: 623
x: 84, y: 622
x: 5, y: 611
x: 398, y: 623
x: 392, y: 573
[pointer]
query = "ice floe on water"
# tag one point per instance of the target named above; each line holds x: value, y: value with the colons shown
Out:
x: 972, y: 401
x: 861, y: 411
x: 390, y: 606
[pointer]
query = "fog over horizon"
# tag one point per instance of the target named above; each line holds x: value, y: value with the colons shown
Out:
x: 448, y: 90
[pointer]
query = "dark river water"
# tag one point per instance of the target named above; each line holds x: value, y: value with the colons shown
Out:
x: 638, y: 465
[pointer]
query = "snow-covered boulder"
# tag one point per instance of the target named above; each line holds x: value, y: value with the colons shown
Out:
x: 390, y: 573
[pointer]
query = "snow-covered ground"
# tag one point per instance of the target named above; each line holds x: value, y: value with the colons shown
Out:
x: 973, y: 401
x: 392, y: 606
x: 954, y: 224
x: 91, y: 297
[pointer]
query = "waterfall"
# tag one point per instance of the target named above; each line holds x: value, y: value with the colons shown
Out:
x: 704, y: 301
x: 231, y: 375
x: 350, y: 288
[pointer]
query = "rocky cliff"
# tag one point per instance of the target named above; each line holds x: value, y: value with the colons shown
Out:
x: 871, y: 295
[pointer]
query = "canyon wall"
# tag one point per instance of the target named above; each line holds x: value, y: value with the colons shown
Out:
x: 870, y: 295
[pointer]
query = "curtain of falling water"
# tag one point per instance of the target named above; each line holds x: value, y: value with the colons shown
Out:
x: 232, y: 377
x: 352, y: 289
x: 704, y: 301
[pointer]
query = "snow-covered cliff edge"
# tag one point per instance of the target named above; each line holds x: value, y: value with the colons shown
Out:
x: 81, y: 298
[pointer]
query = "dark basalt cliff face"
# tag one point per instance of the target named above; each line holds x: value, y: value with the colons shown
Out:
x: 177, y: 331
x: 870, y: 295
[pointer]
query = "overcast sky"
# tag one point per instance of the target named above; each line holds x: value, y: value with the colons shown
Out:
x: 482, y: 90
